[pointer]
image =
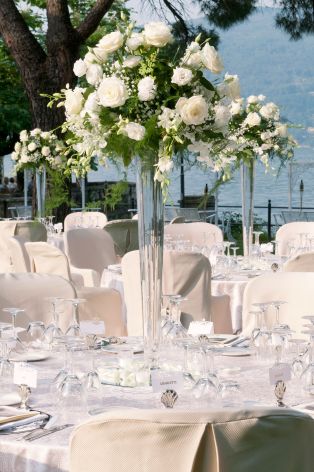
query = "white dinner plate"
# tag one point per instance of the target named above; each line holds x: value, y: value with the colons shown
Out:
x: 236, y: 352
x: 8, y: 399
x: 32, y: 356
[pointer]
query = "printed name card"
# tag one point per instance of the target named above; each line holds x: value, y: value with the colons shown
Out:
x: 92, y: 327
x: 279, y: 372
x: 196, y: 328
x: 24, y: 374
x: 162, y: 381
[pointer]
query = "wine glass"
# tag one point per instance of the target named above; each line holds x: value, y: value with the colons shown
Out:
x: 74, y: 328
x: 307, y: 375
x: 297, y: 363
x: 35, y: 334
x: 177, y: 331
x: 6, y: 344
x: 256, y: 237
x: 206, y: 388
x: 19, y: 345
x: 53, y: 331
x: 280, y: 326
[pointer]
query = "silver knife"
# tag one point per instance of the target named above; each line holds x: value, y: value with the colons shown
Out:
x: 43, y: 433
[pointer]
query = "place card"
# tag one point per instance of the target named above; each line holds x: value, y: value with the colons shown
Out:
x: 162, y: 381
x: 197, y: 328
x: 24, y: 374
x: 92, y: 327
x: 279, y: 372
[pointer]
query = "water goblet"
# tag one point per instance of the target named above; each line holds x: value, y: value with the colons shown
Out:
x: 177, y: 331
x: 230, y: 393
x: 35, y: 334
x: 256, y: 237
x: 263, y: 306
x: 7, y: 342
x: 277, y: 304
x: 74, y: 329
x: 307, y: 375
x: 53, y: 331
x: 206, y: 388
x: 297, y: 363
x: 19, y: 345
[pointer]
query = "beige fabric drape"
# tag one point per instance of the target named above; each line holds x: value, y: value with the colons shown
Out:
x: 289, y: 232
x: 301, y: 263
x: 19, y: 256
x: 295, y: 288
x: 89, y: 248
x: 47, y: 259
x: 197, y: 233
x: 194, y: 441
x: 31, y: 292
x: 124, y: 234
x: 85, y: 219
x: 184, y: 273
x: 25, y: 230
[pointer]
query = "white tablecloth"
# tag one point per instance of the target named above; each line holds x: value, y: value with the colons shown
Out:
x: 50, y: 454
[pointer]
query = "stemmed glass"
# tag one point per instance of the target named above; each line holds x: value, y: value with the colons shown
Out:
x: 74, y: 329
x: 307, y: 375
x: 297, y: 363
x: 177, y: 331
x: 166, y: 321
x: 256, y: 237
x: 53, y: 331
x: 6, y: 343
x: 263, y: 306
x: 280, y: 326
x: 19, y: 346
x: 206, y: 388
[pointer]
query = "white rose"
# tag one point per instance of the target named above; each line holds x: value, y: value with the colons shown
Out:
x: 180, y: 104
x: 135, y: 41
x: 111, y: 42
x: 165, y: 118
x: 146, y: 89
x: 230, y: 87
x: 14, y: 156
x: 252, y: 119
x: 165, y: 164
x: 73, y: 101
x: 45, y: 151
x: 222, y: 116
x: 131, y: 61
x: 134, y: 131
x: 112, y: 92
x: 194, y: 111
x: 24, y: 159
x: 261, y: 98
x: 193, y: 47
x: 90, y: 58
x: 181, y: 76
x: 35, y: 132
x: 45, y: 135
x: 269, y: 111
x: 94, y: 74
x: 91, y: 105
x: 282, y: 131
x: 17, y: 147
x: 252, y: 99
x: 157, y: 34
x: 79, y: 68
x: 57, y: 162
x: 211, y: 59
x: 23, y: 136
x: 31, y: 147
x: 235, y: 107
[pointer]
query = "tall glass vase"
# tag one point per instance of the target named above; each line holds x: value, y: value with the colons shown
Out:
x: 248, y: 180
x: 151, y: 230
x: 40, y: 176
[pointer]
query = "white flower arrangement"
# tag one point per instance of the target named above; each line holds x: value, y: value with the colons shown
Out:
x: 134, y: 99
x: 37, y: 148
x: 255, y: 132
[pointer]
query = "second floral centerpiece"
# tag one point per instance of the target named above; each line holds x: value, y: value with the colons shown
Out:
x: 140, y: 99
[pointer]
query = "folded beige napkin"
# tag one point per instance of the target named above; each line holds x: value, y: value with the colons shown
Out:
x: 10, y: 413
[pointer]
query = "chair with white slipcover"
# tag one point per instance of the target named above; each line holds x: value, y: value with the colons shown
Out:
x: 194, y: 441
x: 187, y: 274
x: 295, y: 288
x: 290, y: 233
x: 300, y: 263
x: 124, y: 234
x: 198, y: 233
x: 85, y: 219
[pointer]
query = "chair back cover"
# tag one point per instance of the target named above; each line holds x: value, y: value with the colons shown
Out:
x: 89, y: 248
x: 30, y: 292
x: 26, y: 230
x: 85, y: 219
x: 124, y: 234
x: 295, y: 288
x: 48, y: 259
x: 194, y: 441
x: 187, y: 274
x: 301, y: 263
x: 197, y: 233
x: 18, y: 253
x: 289, y: 232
